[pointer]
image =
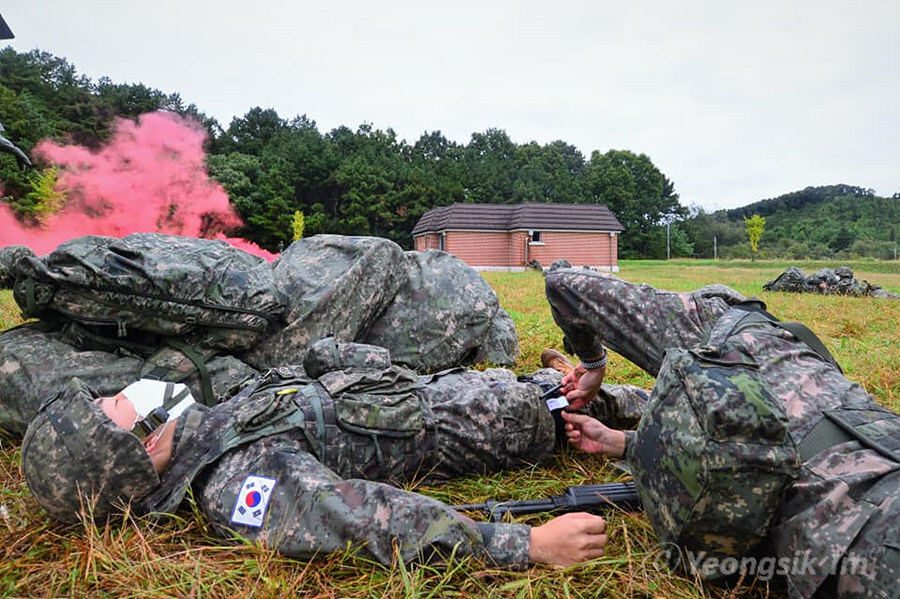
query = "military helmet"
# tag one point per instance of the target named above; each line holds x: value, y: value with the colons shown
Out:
x: 76, y: 460
x: 844, y: 272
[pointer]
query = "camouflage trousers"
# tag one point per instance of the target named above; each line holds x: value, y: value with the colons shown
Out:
x: 637, y: 321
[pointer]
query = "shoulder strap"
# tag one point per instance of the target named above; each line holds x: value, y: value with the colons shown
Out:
x: 199, y: 360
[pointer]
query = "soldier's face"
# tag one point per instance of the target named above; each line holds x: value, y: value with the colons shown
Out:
x: 119, y: 409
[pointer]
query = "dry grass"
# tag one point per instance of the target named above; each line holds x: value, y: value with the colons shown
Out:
x: 182, y: 558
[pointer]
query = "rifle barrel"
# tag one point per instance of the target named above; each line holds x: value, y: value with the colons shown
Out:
x: 577, y: 498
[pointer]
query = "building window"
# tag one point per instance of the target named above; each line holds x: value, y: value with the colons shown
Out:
x: 441, y: 242
x: 535, y: 238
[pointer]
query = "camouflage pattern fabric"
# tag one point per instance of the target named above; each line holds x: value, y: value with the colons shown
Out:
x: 828, y: 510
x: 226, y: 373
x: 619, y: 406
x: 827, y: 281
x: 442, y: 316
x: 501, y: 347
x: 9, y: 257
x: 639, y: 322
x: 327, y: 355
x: 334, y: 285
x: 318, y: 503
x: 156, y: 283
x: 712, y: 456
x: 793, y: 279
x: 275, y: 489
x: 26, y: 382
x: 74, y: 456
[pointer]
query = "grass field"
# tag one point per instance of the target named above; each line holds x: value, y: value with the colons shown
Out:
x: 182, y: 558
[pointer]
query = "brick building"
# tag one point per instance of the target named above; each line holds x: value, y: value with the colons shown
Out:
x: 510, y: 236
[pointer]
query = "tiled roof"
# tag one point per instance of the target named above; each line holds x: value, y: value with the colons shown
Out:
x: 509, y: 217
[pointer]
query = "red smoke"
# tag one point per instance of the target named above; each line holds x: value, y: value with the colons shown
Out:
x: 150, y: 177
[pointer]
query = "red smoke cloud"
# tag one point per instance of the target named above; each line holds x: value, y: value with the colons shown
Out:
x: 150, y: 177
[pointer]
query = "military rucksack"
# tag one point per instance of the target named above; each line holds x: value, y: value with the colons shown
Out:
x: 208, y: 291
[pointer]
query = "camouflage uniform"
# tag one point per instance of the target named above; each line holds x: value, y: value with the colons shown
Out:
x: 304, y: 452
x: 324, y: 499
x: 444, y: 313
x: 827, y: 281
x: 845, y: 502
x: 290, y: 460
x: 9, y: 257
x: 26, y: 382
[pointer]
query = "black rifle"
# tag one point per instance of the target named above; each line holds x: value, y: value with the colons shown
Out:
x: 583, y: 498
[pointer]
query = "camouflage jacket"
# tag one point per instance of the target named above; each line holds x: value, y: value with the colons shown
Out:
x: 308, y: 489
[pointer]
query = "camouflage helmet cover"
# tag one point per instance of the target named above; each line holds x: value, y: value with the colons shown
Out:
x: 75, y: 459
x: 844, y: 272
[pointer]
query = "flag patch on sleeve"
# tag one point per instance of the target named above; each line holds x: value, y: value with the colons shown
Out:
x: 252, y: 501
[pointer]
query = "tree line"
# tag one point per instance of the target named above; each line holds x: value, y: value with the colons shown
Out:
x: 366, y: 181
x: 823, y: 222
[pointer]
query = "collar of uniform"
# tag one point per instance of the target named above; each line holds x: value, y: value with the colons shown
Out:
x: 187, y: 424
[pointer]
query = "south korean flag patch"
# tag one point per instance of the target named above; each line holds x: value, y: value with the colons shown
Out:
x: 252, y: 501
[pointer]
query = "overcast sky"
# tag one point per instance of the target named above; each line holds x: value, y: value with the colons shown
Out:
x: 733, y: 101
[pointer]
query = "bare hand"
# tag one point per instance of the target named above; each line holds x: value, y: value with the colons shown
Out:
x: 581, y: 386
x: 568, y: 540
x: 592, y: 436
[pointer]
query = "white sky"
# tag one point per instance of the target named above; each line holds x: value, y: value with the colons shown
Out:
x: 733, y: 101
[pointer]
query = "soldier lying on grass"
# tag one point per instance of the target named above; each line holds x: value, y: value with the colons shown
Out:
x: 290, y: 459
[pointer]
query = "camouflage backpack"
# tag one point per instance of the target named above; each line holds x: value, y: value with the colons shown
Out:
x: 209, y: 291
x: 444, y: 315
x: 713, y: 455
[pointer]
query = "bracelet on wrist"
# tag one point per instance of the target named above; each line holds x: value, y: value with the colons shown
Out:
x: 595, y: 364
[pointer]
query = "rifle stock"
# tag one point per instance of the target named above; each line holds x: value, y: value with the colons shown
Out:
x: 583, y: 498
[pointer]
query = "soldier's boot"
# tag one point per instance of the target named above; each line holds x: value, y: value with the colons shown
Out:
x: 550, y: 358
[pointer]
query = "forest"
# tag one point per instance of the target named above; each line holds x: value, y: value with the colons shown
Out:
x: 366, y: 181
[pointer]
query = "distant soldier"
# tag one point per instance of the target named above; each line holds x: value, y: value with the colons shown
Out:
x: 753, y: 443
x: 827, y: 281
x: 793, y: 279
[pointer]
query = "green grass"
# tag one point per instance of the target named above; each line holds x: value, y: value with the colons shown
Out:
x: 182, y: 558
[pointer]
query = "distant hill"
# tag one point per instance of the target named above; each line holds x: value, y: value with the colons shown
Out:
x: 833, y: 221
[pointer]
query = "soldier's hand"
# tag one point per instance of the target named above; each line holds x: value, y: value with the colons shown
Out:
x: 568, y: 540
x: 592, y: 436
x: 581, y: 386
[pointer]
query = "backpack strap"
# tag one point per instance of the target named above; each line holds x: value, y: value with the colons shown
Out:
x: 199, y: 361
x: 874, y: 427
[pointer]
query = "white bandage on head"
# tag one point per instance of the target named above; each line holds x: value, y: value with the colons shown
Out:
x: 146, y: 395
